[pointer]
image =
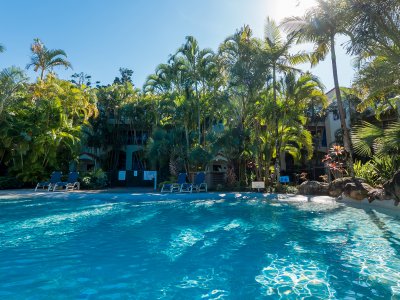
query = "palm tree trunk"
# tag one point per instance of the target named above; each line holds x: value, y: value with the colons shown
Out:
x: 277, y: 157
x: 346, y: 134
x: 198, y: 113
x: 187, y: 140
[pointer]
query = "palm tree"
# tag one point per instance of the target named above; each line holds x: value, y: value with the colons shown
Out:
x: 294, y: 96
x: 44, y: 59
x: 281, y: 61
x: 319, y: 26
x: 12, y: 81
x: 246, y: 69
x: 277, y: 52
x: 194, y: 61
x: 377, y: 85
x: 12, y: 88
x: 2, y: 48
x: 160, y: 82
x: 374, y: 28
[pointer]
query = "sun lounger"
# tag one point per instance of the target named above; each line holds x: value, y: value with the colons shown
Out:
x: 72, y: 182
x: 199, y: 184
x: 54, y: 178
x: 174, y: 187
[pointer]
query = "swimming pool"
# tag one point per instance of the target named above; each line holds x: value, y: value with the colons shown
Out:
x: 111, y: 248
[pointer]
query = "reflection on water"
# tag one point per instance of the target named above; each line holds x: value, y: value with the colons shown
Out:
x: 211, y: 249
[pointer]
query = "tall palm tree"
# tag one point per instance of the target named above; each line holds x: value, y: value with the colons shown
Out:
x: 294, y: 96
x: 44, y: 59
x: 160, y: 81
x: 12, y: 81
x: 281, y: 61
x: 173, y: 83
x: 12, y: 88
x: 246, y: 69
x: 194, y: 61
x: 320, y: 26
x: 2, y: 48
x: 374, y: 28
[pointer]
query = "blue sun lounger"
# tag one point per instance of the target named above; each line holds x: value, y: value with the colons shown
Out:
x: 199, y: 184
x: 174, y: 187
x: 72, y: 182
x: 54, y: 178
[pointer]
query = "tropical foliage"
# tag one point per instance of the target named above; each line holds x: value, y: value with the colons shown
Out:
x: 247, y: 101
x: 320, y: 26
x: 44, y: 59
x: 41, y: 123
x: 381, y: 146
x: 336, y: 161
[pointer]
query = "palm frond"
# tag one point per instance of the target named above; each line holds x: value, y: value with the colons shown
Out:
x: 58, y: 61
x: 391, y: 137
x: 272, y: 34
x: 365, y: 137
x: 299, y: 58
x: 293, y: 25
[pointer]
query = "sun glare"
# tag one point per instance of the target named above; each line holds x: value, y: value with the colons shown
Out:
x: 286, y: 8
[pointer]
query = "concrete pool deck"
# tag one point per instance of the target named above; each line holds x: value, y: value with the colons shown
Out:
x: 146, y: 194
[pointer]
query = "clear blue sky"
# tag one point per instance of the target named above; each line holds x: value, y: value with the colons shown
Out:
x: 100, y: 36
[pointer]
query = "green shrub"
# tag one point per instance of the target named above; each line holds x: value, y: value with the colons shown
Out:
x: 94, y: 180
x: 385, y: 167
x: 377, y: 170
x: 8, y: 182
x: 287, y: 189
x: 366, y: 171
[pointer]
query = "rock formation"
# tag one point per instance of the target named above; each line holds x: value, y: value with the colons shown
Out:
x: 313, y: 188
x: 392, y: 187
x: 337, y: 187
x: 356, y: 189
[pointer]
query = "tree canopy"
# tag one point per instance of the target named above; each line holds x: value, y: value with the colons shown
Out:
x: 247, y: 100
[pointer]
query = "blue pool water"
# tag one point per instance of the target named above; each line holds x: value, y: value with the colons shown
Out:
x: 195, y: 249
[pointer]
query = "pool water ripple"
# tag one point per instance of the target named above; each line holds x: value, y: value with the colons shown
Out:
x: 200, y: 249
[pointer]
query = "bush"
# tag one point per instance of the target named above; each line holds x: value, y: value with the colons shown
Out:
x: 385, y: 166
x: 366, y: 171
x: 287, y: 189
x: 335, y: 160
x: 378, y: 170
x: 94, y: 180
x: 8, y: 182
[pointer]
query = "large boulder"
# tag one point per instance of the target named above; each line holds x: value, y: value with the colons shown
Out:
x: 392, y: 187
x: 377, y: 194
x: 357, y: 190
x: 337, y: 186
x: 313, y: 188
